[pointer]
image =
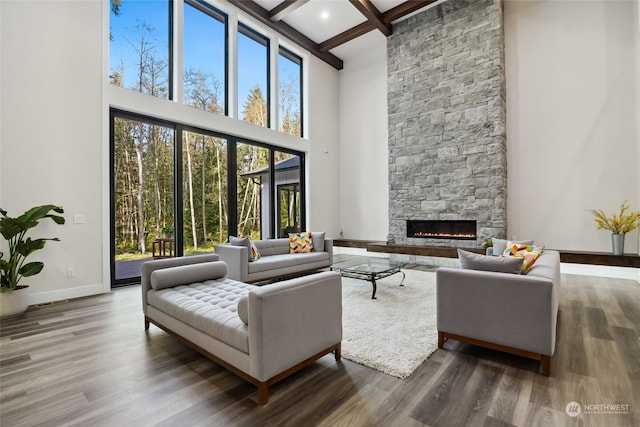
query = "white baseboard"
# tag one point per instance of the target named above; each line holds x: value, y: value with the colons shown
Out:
x: 69, y: 293
x: 601, y: 271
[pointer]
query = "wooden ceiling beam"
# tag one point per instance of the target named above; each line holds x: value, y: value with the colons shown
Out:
x: 262, y: 15
x: 279, y: 12
x: 346, y: 36
x: 387, y: 18
x: 375, y: 20
x: 373, y: 15
x: 403, y: 9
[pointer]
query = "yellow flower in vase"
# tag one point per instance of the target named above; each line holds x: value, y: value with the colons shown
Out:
x: 619, y: 224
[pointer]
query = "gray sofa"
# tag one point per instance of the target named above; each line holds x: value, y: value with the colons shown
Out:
x: 509, y: 312
x: 275, y: 260
x: 263, y: 334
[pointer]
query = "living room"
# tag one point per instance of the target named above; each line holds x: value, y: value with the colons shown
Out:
x: 593, y: 168
x: 572, y: 131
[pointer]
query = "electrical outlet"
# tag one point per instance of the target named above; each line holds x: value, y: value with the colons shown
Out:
x: 78, y: 219
x: 71, y: 272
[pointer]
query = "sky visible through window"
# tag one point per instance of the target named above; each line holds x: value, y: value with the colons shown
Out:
x: 137, y: 20
x: 204, y: 47
x: 204, y: 52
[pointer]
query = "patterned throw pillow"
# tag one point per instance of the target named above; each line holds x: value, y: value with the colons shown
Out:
x: 300, y: 242
x: 499, y: 245
x: 255, y: 253
x: 529, y: 253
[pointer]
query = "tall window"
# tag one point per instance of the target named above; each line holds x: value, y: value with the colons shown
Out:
x: 253, y: 190
x: 205, y: 59
x: 290, y: 92
x: 178, y: 190
x: 253, y: 76
x: 143, y: 190
x: 140, y: 46
x: 288, y: 182
x: 204, y: 172
x: 141, y: 42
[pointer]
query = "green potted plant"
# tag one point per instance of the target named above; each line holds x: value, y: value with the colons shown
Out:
x: 14, y: 298
x: 619, y: 225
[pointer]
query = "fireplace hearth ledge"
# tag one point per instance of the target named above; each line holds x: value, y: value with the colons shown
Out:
x: 567, y: 256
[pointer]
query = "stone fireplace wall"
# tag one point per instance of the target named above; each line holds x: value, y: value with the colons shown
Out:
x: 447, y: 137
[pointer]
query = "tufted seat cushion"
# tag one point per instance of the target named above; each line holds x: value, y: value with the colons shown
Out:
x: 210, y: 306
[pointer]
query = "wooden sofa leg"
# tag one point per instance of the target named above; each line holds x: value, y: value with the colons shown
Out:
x: 146, y: 323
x: 440, y: 339
x: 338, y: 352
x: 263, y: 393
x: 545, y: 362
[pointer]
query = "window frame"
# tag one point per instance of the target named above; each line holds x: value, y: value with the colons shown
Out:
x: 256, y: 36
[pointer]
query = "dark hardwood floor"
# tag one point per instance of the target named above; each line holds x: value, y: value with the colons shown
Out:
x: 89, y: 362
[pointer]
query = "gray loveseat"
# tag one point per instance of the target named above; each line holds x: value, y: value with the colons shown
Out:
x: 275, y: 260
x: 261, y: 333
x: 504, y: 311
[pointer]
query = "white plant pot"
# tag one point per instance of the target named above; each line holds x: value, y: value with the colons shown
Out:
x: 14, y: 303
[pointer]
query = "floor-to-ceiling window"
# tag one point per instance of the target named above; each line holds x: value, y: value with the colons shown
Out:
x: 288, y: 206
x: 180, y: 186
x: 204, y: 191
x: 170, y: 191
x: 253, y: 189
x: 143, y: 190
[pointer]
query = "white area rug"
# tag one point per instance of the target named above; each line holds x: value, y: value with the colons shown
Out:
x: 396, y: 332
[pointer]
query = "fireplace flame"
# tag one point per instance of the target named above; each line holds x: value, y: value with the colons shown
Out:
x: 447, y: 235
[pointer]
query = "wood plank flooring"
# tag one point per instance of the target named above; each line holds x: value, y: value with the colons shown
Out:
x: 89, y: 362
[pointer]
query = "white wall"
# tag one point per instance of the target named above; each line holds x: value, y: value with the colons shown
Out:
x: 364, y: 159
x: 572, y: 140
x: 323, y: 176
x: 51, y: 135
x: 54, y: 135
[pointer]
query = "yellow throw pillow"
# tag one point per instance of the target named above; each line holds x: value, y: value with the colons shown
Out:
x: 529, y: 253
x: 300, y: 242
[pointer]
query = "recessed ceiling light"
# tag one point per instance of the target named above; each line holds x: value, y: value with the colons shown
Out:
x: 324, y: 15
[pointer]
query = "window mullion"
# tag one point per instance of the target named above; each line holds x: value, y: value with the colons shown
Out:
x: 232, y: 72
x: 178, y: 53
x: 274, y: 89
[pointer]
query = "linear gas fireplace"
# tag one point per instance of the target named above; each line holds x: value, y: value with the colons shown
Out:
x: 442, y: 229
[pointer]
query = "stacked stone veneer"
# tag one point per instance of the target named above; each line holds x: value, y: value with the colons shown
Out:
x: 446, y: 102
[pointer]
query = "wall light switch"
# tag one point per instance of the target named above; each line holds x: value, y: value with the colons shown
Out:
x: 78, y: 219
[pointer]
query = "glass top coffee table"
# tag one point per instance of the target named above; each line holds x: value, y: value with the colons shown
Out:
x: 370, y: 269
